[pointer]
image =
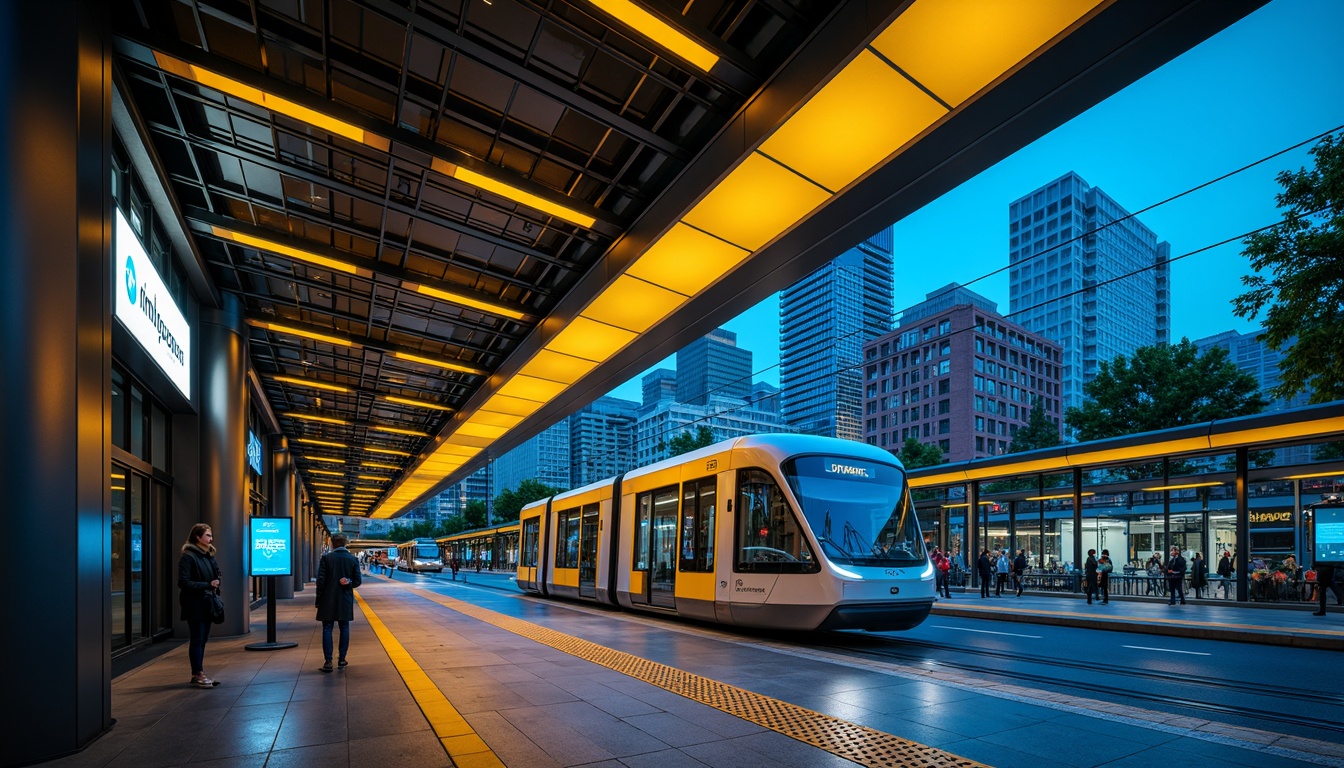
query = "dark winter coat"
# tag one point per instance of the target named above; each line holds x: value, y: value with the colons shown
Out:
x: 195, y: 570
x: 1199, y: 573
x: 336, y: 602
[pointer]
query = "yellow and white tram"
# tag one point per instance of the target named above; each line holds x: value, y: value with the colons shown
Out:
x: 773, y: 531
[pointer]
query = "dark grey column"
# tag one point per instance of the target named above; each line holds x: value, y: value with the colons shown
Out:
x: 282, y: 505
x: 55, y: 316
x: 223, y: 427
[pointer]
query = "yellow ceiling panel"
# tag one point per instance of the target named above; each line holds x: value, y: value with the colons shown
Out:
x: 557, y: 367
x: 633, y: 304
x: 495, y: 419
x: 687, y: 260
x: 531, y: 388
x: 956, y: 47
x: 589, y: 340
x: 511, y: 405
x: 453, y: 449
x: 757, y: 201
x: 846, y: 130
x: 480, y: 430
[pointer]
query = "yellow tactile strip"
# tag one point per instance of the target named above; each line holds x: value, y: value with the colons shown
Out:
x: 858, y: 743
x: 459, y: 739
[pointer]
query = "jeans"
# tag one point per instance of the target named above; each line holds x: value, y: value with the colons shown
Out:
x: 200, y: 635
x: 326, y: 638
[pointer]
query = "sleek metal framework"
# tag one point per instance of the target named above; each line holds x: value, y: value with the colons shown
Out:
x: 453, y: 222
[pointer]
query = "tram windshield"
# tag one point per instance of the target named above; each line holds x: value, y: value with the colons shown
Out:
x: 858, y: 510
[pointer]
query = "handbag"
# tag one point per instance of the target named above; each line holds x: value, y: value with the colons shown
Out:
x: 216, y: 608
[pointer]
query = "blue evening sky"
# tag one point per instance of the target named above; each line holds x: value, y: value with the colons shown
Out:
x: 1272, y: 80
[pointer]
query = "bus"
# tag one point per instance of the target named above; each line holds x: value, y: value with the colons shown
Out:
x: 419, y: 555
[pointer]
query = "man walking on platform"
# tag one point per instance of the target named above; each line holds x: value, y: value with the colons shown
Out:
x: 1176, y: 576
x: 337, y: 578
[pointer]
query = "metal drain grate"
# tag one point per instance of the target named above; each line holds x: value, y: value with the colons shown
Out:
x: 858, y: 743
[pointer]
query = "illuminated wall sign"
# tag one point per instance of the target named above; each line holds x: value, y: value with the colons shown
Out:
x: 1266, y: 518
x: 253, y: 452
x: 146, y: 310
x: 271, y: 545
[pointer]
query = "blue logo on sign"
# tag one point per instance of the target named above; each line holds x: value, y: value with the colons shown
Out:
x: 130, y: 278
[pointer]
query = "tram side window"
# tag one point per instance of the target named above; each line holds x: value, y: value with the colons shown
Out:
x: 567, y: 543
x: 643, y: 513
x: 697, y: 525
x: 769, y: 539
x: 531, y: 529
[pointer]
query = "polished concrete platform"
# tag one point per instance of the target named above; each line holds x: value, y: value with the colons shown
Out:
x: 472, y: 673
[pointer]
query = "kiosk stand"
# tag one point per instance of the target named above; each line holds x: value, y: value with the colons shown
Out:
x: 272, y: 540
x: 1327, y: 547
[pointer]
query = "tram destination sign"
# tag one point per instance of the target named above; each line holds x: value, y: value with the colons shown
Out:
x: 1328, y: 534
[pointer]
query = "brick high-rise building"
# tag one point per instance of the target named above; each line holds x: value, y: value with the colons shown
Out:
x: 962, y: 378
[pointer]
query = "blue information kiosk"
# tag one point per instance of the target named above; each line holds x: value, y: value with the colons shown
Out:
x: 271, y: 542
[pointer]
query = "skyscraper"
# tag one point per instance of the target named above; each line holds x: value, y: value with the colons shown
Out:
x: 824, y: 320
x: 1087, y: 275
x: 602, y: 440
x: 713, y: 365
x: 543, y: 457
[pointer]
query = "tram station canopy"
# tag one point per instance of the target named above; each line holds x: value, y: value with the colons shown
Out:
x: 454, y: 222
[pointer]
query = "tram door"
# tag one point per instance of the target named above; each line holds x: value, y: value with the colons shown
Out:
x: 663, y: 549
x: 588, y: 552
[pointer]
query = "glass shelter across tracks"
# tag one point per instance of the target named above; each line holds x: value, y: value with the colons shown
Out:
x: 1234, y: 491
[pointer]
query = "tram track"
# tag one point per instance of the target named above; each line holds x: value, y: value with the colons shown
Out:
x: 1259, y: 714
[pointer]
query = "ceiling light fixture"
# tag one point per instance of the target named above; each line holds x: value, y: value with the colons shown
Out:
x: 311, y: 417
x: 376, y: 465
x: 269, y: 101
x: 438, y: 363
x: 398, y: 431
x: 303, y: 333
x: 291, y: 252
x: 329, y: 444
x: 415, y: 403
x: 387, y: 451
x: 313, y: 384
x: 659, y: 32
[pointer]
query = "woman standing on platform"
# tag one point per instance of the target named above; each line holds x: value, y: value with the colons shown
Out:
x: 198, y: 578
x: 985, y: 570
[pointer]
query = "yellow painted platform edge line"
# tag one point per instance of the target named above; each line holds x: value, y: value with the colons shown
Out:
x: 504, y: 621
x: 442, y: 716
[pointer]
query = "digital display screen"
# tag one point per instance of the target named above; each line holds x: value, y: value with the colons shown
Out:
x: 1328, y: 533
x: 271, y: 541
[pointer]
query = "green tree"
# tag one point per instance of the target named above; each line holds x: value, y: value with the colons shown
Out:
x: 686, y: 442
x: 509, y: 503
x: 473, y: 515
x: 915, y: 454
x: 1167, y: 385
x: 1041, y: 431
x: 1303, y: 295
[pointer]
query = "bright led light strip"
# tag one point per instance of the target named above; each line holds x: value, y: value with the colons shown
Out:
x: 314, y: 384
x: 310, y: 417
x: 481, y: 181
x: 438, y: 363
x: 1181, y: 487
x: 325, y: 472
x: 311, y: 441
x: 269, y: 101
x: 376, y: 465
x: 387, y: 451
x: 283, y: 329
x: 659, y: 32
x: 1336, y: 473
x: 327, y: 459
x: 466, y: 301
x: 396, y: 431
x: 415, y: 403
x: 288, y: 251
